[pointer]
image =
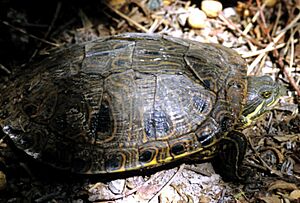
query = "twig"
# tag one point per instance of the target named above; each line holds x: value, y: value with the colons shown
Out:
x: 166, y: 15
x: 270, y: 45
x: 168, y: 183
x: 272, y: 171
x: 260, y: 56
x: 253, y: 20
x: 129, y: 192
x: 30, y: 35
x: 278, y: 15
x: 132, y: 12
x: 136, y: 24
x: 2, y: 67
x: 292, y: 24
x: 261, y: 51
x: 233, y: 27
x: 57, y: 10
x: 292, y: 50
x: 262, y: 16
x: 141, y: 4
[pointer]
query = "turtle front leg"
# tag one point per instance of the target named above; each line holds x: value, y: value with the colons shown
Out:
x: 228, y: 160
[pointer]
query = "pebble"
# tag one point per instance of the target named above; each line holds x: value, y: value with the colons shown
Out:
x: 197, y: 18
x: 2, y: 181
x: 295, y: 195
x: 182, y: 18
x: 154, y: 4
x: 116, y: 3
x: 270, y: 3
x: 229, y: 12
x: 117, y: 186
x: 211, y: 8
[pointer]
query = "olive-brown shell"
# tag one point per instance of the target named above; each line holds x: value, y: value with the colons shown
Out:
x: 125, y: 102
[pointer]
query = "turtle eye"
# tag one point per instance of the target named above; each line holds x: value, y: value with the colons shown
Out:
x: 266, y: 94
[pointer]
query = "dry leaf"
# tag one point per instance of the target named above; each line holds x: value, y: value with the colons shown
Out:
x: 297, y: 168
x: 280, y: 184
x: 295, y: 195
x: 272, y: 199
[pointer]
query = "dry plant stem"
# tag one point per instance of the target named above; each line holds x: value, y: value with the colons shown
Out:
x: 168, y: 183
x: 48, y: 197
x: 129, y: 20
x: 253, y: 20
x: 258, y: 69
x: 86, y: 23
x: 260, y: 56
x: 157, y: 22
x: 132, y: 12
x: 289, y: 77
x: 2, y: 67
x: 282, y: 66
x: 278, y: 15
x: 141, y: 4
x: 155, y: 25
x: 233, y: 27
x: 184, y: 196
x: 130, y: 192
x: 57, y: 10
x: 261, y: 51
x: 262, y: 16
x: 292, y: 24
x: 292, y: 50
x: 29, y: 35
x: 280, y: 60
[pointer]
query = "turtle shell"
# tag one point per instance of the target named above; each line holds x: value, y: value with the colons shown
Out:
x: 125, y: 102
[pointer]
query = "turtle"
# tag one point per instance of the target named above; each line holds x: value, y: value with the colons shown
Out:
x: 135, y: 101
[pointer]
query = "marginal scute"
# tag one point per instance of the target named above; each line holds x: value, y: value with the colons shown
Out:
x: 80, y: 165
x: 207, y: 134
x: 146, y: 156
x: 178, y: 149
x: 114, y: 162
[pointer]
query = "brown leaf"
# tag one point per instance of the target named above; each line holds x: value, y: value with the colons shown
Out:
x: 271, y: 199
x: 297, y: 168
x: 280, y: 184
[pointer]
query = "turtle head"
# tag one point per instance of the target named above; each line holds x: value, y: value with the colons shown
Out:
x: 262, y: 94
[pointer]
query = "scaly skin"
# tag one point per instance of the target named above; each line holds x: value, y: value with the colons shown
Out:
x: 263, y: 93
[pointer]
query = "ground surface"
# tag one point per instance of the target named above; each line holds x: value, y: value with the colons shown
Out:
x: 266, y: 36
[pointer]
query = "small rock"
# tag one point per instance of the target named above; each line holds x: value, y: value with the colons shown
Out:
x: 197, y: 18
x: 270, y: 3
x: 116, y: 3
x: 295, y: 195
x: 135, y: 181
x: 228, y: 12
x: 154, y: 4
x: 117, y: 186
x: 167, y: 2
x: 211, y: 8
x: 182, y: 17
x: 2, y: 181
